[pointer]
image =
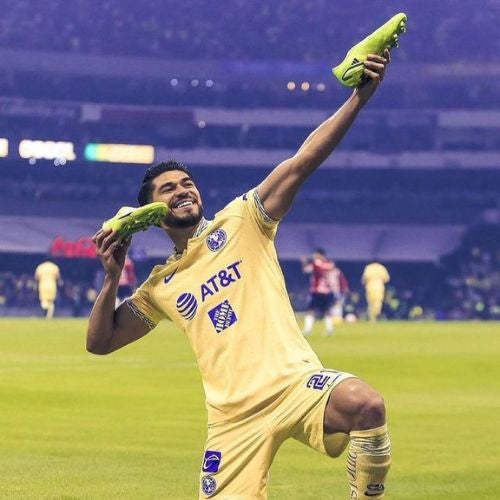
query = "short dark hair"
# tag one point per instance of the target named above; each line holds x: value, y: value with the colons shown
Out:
x: 144, y: 195
x: 321, y: 251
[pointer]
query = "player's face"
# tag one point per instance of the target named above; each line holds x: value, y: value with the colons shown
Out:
x: 179, y: 192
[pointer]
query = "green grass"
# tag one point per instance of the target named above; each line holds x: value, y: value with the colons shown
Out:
x: 132, y: 425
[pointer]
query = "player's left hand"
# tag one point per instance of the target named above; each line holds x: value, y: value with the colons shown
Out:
x: 375, y: 68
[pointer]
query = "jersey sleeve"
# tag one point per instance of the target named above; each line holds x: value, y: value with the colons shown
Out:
x: 257, y: 214
x: 144, y: 307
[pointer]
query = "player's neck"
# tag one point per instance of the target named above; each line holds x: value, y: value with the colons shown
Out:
x: 181, y: 236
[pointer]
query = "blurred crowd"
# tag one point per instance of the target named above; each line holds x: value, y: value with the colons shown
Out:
x: 465, y: 285
x: 19, y: 296
x: 359, y: 195
x: 291, y: 29
x: 472, y: 284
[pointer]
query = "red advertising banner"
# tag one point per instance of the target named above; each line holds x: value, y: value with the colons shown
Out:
x: 81, y: 248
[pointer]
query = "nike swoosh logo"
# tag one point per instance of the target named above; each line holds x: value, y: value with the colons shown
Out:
x: 166, y: 279
x: 347, y: 72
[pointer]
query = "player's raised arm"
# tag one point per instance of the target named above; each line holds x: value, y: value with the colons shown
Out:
x: 108, y: 330
x: 279, y: 188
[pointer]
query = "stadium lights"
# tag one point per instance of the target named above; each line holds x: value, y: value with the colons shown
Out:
x: 306, y: 86
x: 120, y: 153
x: 4, y: 148
x: 46, y: 150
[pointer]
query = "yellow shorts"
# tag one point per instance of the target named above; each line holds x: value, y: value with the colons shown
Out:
x: 47, y: 294
x: 239, y: 453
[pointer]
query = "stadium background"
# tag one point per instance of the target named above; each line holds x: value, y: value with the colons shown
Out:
x: 232, y: 88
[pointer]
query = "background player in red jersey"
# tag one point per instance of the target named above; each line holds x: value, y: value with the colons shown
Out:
x: 322, y: 296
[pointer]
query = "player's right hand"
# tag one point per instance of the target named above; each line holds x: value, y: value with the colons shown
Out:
x: 111, y: 250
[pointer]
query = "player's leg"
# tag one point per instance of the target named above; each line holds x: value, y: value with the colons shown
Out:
x: 307, y: 407
x: 50, y: 310
x: 236, y: 460
x: 337, y: 410
x: 356, y: 409
x: 338, y: 308
x: 308, y: 323
x: 310, y: 315
x: 368, y: 304
x: 329, y: 304
x: 371, y: 311
x: 47, y: 295
x: 374, y: 298
x: 329, y: 324
x: 375, y: 306
x: 43, y: 306
x: 47, y: 305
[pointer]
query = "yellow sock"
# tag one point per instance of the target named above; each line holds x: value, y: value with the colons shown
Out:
x: 368, y: 462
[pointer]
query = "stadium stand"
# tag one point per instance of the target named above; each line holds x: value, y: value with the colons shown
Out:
x: 278, y: 30
x: 420, y: 167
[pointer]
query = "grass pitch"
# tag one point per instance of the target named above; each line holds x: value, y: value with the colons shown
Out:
x: 132, y: 425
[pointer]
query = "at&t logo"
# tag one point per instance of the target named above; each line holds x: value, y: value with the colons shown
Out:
x: 187, y: 305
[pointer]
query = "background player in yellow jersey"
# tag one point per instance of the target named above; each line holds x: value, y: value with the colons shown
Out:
x: 374, y: 278
x: 224, y: 288
x: 48, y: 276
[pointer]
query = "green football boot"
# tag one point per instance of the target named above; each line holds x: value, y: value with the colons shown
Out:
x: 130, y: 220
x: 350, y: 71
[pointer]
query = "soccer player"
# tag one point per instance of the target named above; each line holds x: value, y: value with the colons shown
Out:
x: 48, y: 276
x: 224, y: 288
x: 374, y: 278
x: 322, y: 299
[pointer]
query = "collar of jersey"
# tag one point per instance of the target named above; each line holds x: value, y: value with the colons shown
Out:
x: 202, y: 225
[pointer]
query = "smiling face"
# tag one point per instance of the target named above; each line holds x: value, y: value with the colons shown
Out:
x: 179, y: 192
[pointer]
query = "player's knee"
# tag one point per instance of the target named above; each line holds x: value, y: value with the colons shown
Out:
x: 371, y: 412
x: 364, y: 407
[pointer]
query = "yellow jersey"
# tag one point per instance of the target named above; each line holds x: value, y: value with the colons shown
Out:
x: 228, y: 294
x: 375, y: 276
x: 47, y: 274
